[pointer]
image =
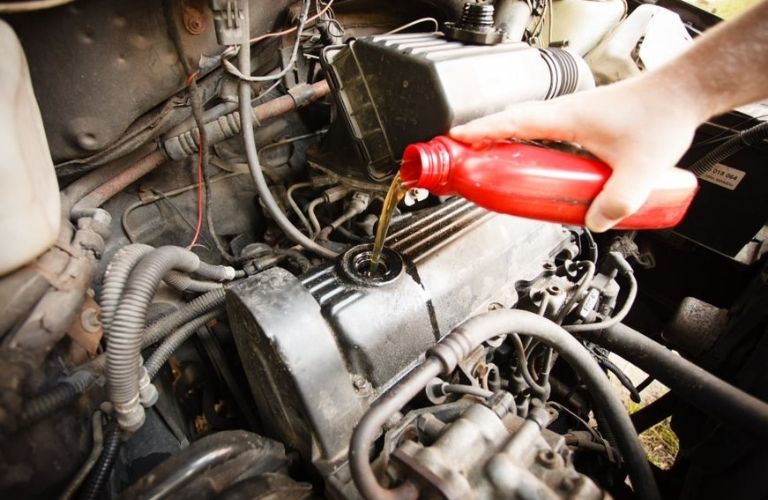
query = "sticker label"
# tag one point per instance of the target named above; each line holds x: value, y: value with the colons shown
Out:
x: 723, y: 176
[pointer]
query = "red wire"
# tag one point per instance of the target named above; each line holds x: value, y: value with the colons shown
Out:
x: 200, y: 194
x: 291, y: 30
x: 192, y: 78
x: 200, y: 187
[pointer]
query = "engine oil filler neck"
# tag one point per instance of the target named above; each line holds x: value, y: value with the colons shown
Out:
x: 355, y: 264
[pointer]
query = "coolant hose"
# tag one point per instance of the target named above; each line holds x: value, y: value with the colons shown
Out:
x: 444, y: 358
x: 124, y: 343
x: 170, y: 344
x: 686, y: 380
x: 115, y: 276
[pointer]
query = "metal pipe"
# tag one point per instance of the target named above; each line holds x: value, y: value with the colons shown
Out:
x: 125, y: 178
x: 229, y: 125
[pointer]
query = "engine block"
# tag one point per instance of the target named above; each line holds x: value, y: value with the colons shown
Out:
x: 318, y: 349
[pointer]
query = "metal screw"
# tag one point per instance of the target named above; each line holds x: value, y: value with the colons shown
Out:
x: 194, y: 19
x: 360, y: 383
x: 89, y: 318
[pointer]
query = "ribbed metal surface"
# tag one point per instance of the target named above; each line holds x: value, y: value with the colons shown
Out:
x: 477, y: 15
x: 416, y: 241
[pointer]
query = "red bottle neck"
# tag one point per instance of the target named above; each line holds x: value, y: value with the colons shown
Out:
x: 428, y: 164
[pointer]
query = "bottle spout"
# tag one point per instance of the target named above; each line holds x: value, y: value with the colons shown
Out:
x: 426, y: 165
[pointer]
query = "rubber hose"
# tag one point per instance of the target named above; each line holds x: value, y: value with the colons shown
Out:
x: 620, y: 315
x: 444, y: 358
x: 731, y: 146
x: 115, y: 276
x: 167, y: 324
x: 215, y: 273
x: 369, y: 427
x: 65, y: 392
x: 686, y: 380
x: 100, y: 472
x: 191, y: 310
x: 185, y: 283
x: 300, y: 260
x: 124, y: 344
x: 492, y: 324
x: 584, y: 282
x: 541, y: 390
x: 170, y: 344
x: 469, y: 390
x: 246, y: 124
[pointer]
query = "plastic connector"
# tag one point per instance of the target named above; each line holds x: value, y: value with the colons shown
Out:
x: 148, y: 394
x: 335, y: 193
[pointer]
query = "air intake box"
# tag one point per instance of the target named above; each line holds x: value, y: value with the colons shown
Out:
x: 393, y: 90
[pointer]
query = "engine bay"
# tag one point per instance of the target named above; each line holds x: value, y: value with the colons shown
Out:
x: 187, y: 308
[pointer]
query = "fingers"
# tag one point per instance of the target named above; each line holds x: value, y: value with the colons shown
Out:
x: 530, y: 120
x: 623, y: 194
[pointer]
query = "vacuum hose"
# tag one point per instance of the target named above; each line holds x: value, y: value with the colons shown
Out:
x: 444, y: 358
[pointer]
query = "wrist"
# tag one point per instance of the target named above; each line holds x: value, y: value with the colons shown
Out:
x: 678, y: 95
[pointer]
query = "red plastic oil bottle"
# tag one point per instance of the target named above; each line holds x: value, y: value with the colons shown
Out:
x: 535, y: 182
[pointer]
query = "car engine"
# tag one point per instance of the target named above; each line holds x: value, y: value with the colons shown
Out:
x: 187, y: 305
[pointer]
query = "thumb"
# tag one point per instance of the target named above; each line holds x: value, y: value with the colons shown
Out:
x: 623, y: 194
x: 529, y: 120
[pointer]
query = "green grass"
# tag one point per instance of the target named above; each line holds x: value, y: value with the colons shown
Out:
x: 659, y: 442
x: 725, y: 9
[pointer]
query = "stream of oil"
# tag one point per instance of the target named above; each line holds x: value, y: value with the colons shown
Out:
x: 395, y: 194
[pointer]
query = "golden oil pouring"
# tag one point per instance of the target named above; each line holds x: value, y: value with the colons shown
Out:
x: 395, y: 194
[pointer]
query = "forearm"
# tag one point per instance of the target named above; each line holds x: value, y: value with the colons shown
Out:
x: 726, y: 67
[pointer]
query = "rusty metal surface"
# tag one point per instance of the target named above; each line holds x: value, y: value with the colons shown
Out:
x: 98, y: 66
x: 86, y: 329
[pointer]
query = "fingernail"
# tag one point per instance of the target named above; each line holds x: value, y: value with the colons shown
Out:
x: 597, y: 222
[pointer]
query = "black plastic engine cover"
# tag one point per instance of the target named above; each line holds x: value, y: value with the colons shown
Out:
x: 393, y: 90
x: 319, y: 349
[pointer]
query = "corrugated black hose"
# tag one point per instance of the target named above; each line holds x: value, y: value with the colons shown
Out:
x: 103, y: 467
x: 731, y: 146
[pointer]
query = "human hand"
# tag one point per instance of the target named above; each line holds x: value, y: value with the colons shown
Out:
x: 639, y: 128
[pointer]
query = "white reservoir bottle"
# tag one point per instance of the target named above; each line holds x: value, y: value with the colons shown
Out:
x: 29, y: 193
